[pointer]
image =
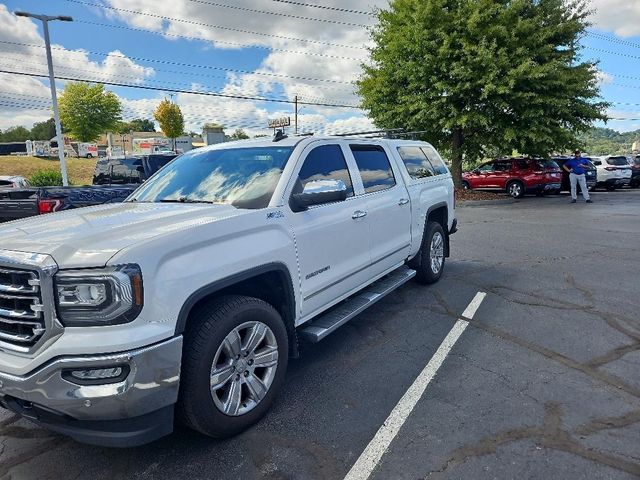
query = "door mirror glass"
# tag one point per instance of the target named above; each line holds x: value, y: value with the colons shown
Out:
x: 318, y: 192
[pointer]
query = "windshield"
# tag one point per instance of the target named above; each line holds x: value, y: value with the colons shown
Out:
x: 242, y: 177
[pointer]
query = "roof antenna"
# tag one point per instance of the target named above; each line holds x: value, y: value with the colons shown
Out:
x: 279, y: 135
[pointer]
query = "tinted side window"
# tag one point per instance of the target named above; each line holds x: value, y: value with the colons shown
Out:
x: 374, y: 167
x: 417, y: 163
x: 522, y: 164
x: 326, y: 163
x: 504, y: 166
x: 436, y: 160
x: 126, y: 171
x: 486, y: 168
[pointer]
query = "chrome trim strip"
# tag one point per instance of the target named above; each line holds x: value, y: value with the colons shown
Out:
x: 356, y: 272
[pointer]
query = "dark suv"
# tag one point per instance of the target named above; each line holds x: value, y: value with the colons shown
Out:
x: 591, y: 175
x: 516, y: 176
x: 635, y: 171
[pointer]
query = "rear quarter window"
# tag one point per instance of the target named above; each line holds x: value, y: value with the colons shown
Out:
x: 417, y: 163
x: 435, y: 159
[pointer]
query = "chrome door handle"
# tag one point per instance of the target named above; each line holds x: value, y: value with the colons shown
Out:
x: 359, y: 214
x: 403, y: 201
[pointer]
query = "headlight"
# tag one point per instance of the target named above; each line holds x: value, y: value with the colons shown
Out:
x: 93, y: 297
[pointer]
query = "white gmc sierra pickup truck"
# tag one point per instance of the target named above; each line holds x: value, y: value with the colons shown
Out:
x: 189, y: 298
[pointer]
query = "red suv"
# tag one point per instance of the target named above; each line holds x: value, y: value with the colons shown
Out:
x: 516, y: 176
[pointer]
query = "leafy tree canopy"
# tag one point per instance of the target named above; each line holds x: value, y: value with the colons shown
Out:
x: 87, y: 110
x: 169, y: 117
x: 15, y: 134
x: 483, y: 75
x: 43, y: 130
x: 239, y: 134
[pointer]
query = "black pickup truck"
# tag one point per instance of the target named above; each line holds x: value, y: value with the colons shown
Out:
x: 113, y: 180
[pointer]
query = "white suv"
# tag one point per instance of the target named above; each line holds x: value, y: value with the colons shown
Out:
x: 614, y: 171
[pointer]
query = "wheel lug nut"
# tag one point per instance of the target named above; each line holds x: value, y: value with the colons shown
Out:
x: 246, y: 373
x: 237, y: 377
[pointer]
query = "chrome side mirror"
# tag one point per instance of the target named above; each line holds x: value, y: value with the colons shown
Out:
x: 318, y: 192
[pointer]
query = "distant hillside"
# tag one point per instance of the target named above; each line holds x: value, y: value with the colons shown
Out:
x: 603, y: 141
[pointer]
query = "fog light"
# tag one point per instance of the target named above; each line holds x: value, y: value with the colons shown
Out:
x: 97, y: 376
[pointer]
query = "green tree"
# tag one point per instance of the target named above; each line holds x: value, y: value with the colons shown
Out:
x: 87, y: 110
x: 239, y: 134
x: 142, y: 125
x: 169, y: 117
x: 15, y: 134
x: 483, y: 75
x: 43, y: 130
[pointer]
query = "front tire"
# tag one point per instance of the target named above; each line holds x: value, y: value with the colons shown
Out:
x: 234, y: 363
x: 431, y: 258
x: 465, y: 185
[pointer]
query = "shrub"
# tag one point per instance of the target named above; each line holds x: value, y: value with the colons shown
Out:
x: 46, y: 178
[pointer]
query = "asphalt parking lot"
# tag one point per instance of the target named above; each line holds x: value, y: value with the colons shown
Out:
x: 543, y: 383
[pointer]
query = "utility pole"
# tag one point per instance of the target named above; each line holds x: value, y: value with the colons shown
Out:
x: 45, y: 19
x: 295, y: 122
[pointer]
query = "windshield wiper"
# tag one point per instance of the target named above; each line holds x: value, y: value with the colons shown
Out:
x: 183, y: 200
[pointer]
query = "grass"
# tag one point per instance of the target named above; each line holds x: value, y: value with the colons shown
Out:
x: 80, y: 170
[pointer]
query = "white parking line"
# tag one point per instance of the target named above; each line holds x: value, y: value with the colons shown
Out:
x: 371, y: 455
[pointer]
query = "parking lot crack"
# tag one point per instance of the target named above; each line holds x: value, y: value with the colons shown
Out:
x: 612, y: 356
x: 607, y: 423
x: 558, y: 357
x: 551, y: 434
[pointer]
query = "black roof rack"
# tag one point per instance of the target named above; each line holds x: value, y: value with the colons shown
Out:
x: 390, y: 133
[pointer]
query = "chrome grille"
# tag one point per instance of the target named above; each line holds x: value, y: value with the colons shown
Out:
x: 21, y: 309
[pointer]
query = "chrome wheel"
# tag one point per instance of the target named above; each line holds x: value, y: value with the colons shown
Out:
x: 436, y: 252
x: 515, y: 190
x: 244, y: 368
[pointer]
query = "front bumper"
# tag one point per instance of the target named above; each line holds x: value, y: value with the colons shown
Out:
x: 132, y: 411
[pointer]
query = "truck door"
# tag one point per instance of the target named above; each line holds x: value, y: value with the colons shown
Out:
x: 332, y: 238
x: 388, y: 207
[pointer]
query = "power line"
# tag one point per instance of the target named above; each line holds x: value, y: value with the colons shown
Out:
x: 191, y: 92
x: 608, y: 38
x: 288, y: 15
x: 325, y: 7
x: 235, y: 44
x: 192, y: 22
x: 612, y: 53
x: 181, y: 64
x: 103, y: 77
x: 341, y: 88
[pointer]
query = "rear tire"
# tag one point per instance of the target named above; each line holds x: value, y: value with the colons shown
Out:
x: 234, y: 363
x: 429, y: 263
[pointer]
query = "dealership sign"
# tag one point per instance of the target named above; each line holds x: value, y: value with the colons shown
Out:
x: 279, y: 122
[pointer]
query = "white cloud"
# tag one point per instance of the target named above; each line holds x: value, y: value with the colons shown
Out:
x: 604, y: 78
x: 25, y: 100
x: 311, y: 70
x: 621, y: 17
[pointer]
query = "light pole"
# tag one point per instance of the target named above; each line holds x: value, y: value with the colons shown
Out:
x: 45, y: 19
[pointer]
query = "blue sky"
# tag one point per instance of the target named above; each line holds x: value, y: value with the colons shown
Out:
x: 314, y: 57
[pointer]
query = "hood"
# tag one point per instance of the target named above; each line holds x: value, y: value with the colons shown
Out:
x: 89, y: 237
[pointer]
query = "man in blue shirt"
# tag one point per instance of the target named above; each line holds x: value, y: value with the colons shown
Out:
x: 577, y: 167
